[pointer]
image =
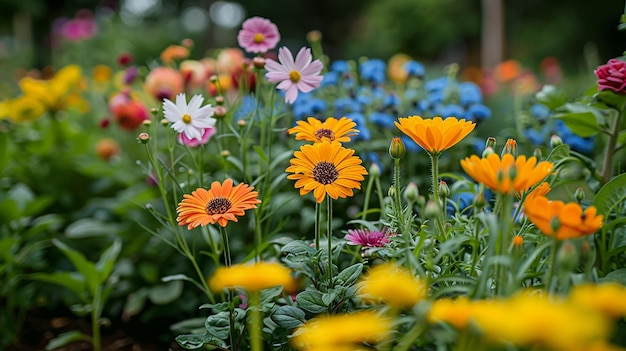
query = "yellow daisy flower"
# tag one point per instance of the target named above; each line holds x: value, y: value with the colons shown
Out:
x: 252, y: 277
x: 393, y: 285
x: 326, y: 168
x: 435, y: 135
x: 331, y: 129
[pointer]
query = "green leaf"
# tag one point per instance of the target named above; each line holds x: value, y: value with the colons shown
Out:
x: 297, y: 247
x: 621, y: 138
x: 135, y: 302
x: 311, y: 301
x: 551, y: 96
x: 193, y: 341
x: 107, y: 260
x: 558, y: 153
x: 165, y: 293
x: 218, y: 325
x: 260, y: 152
x: 288, y: 317
x: 612, y: 99
x: 235, y: 162
x: 268, y: 296
x: 22, y: 195
x: 89, y: 227
x: 618, y: 275
x: 4, y: 151
x: 350, y: 274
x: 66, y: 338
x: 189, y: 325
x: 69, y: 280
x: 610, y: 195
x: 584, y: 124
x: 86, y: 268
x: 9, y: 211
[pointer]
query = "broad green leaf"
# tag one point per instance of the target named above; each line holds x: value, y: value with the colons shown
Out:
x: 82, y: 265
x: 218, y: 325
x: 584, y: 124
x: 297, y: 247
x: 4, y: 150
x: 165, y: 293
x: 268, y: 296
x: 350, y: 274
x: 618, y: 275
x: 71, y: 281
x: 6, y: 248
x: 610, y: 195
x: 288, y: 317
x: 192, y: 325
x: 612, y: 99
x: 22, y: 195
x: 621, y: 139
x: 9, y: 211
x: 235, y: 162
x: 89, y: 227
x: 193, y: 341
x: 311, y: 300
x: 551, y: 96
x: 135, y: 302
x: 560, y: 152
x: 67, y: 338
x: 107, y: 260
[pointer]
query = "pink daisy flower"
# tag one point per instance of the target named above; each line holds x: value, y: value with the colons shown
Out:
x: 206, y: 136
x: 299, y: 75
x: 258, y: 35
x: 368, y: 238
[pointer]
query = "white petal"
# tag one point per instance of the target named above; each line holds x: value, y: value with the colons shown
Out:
x: 205, y: 111
x: 194, y: 104
x: 303, y: 58
x: 291, y: 94
x: 286, y: 58
x: 181, y: 103
x: 170, y: 111
x: 203, y: 123
x: 285, y: 84
x: 275, y: 77
x: 193, y: 133
x: 179, y: 126
x: 313, y: 69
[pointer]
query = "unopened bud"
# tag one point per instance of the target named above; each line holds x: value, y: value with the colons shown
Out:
x: 154, y: 111
x: 444, y: 190
x: 392, y: 191
x: 555, y: 224
x: 488, y: 151
x: 374, y: 170
x: 538, y: 154
x: 396, y: 148
x: 411, y: 193
x: 518, y: 241
x: 241, y: 123
x: 490, y: 143
x: 187, y: 42
x: 146, y: 122
x: 314, y: 36
x: 567, y: 257
x: 225, y: 153
x: 143, y: 137
x: 220, y: 111
x: 219, y: 100
x: 555, y: 141
x: 479, y: 201
x: 579, y: 195
x: 432, y: 209
x: 213, y: 78
x: 421, y: 200
x: 510, y: 148
x: 258, y: 62
x: 165, y: 122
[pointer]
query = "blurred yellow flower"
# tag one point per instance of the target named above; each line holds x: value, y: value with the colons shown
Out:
x: 331, y: 129
x: 342, y: 332
x: 508, y: 175
x: 392, y: 285
x: 564, y: 221
x: 456, y: 312
x: 53, y: 93
x: 24, y: 109
x: 102, y: 74
x: 608, y: 299
x: 435, y: 135
x: 252, y: 277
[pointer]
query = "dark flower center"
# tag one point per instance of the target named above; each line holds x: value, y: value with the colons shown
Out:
x: 218, y: 205
x: 324, y: 133
x: 325, y: 172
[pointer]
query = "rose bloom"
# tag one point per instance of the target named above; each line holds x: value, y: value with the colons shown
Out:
x: 612, y: 76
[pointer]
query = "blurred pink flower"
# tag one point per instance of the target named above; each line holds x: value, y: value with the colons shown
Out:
x: 293, y: 76
x: 130, y: 114
x: 206, y: 136
x: 82, y: 26
x: 258, y: 35
x: 164, y: 83
x: 612, y: 76
x: 368, y: 238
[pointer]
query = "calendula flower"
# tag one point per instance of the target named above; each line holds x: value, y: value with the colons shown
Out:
x: 24, y: 109
x: 435, y: 135
x: 252, y: 277
x: 392, y: 285
x: 608, y: 298
x: 219, y: 204
x: 508, y: 175
x: 456, y: 312
x: 368, y: 238
x: 562, y: 220
x: 258, y: 35
x: 342, y: 332
x: 293, y: 76
x: 189, y: 119
x: 331, y: 129
x: 326, y: 169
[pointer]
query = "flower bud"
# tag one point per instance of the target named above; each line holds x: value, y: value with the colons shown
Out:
x: 146, y: 123
x: 314, y: 36
x: 374, y: 170
x: 396, y: 148
x: 579, y: 195
x: 241, y: 123
x: 154, y: 111
x: 220, y: 112
x: 444, y: 190
x: 510, y: 148
x: 479, y: 201
x: 392, y: 191
x: 538, y: 154
x: 555, y: 141
x: 432, y: 209
x: 258, y: 62
x: 165, y: 122
x: 219, y: 100
x: 567, y: 257
x: 490, y: 143
x: 411, y: 193
x: 143, y: 138
x: 488, y: 151
x: 518, y: 241
x: 421, y: 200
x: 225, y: 153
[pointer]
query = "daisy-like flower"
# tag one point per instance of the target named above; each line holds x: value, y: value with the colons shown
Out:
x: 392, y: 285
x: 293, y: 76
x: 190, y: 119
x: 562, y: 220
x: 219, y: 204
x: 368, y: 238
x: 252, y: 277
x: 508, y: 175
x: 435, y: 135
x: 207, y: 133
x: 326, y: 168
x: 258, y: 35
x: 330, y: 130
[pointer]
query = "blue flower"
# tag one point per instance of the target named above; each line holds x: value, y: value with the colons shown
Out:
x: 414, y: 68
x: 451, y: 111
x: 372, y: 157
x: 373, y: 71
x: 537, y: 137
x: 361, y: 125
x: 470, y: 93
x: 478, y: 112
x: 340, y: 66
x: 438, y: 84
x: 463, y: 200
x: 382, y: 119
x: 330, y: 78
x: 308, y: 105
x: 391, y: 100
x: 346, y: 104
x: 245, y: 108
x: 410, y: 145
x: 540, y: 111
x: 576, y: 142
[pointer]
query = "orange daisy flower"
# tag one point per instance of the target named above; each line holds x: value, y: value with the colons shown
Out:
x: 326, y: 168
x: 562, y: 220
x: 508, y: 175
x: 220, y: 204
x: 331, y: 129
x: 435, y: 135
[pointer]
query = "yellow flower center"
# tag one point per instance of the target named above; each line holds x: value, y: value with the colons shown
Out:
x: 258, y: 38
x: 186, y: 118
x: 294, y: 76
x: 218, y: 205
x: 324, y: 133
x: 325, y: 172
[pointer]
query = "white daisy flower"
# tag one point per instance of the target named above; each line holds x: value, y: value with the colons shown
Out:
x: 190, y: 119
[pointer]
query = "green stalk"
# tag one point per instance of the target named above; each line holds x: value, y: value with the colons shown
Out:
x: 329, y: 234
x: 318, y: 217
x: 368, y: 192
x: 230, y: 296
x: 607, y: 169
x: 255, y: 325
x: 434, y: 158
x: 96, y: 311
x: 504, y: 239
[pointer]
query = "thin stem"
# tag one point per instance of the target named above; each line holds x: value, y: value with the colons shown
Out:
x: 505, y: 238
x: 434, y: 158
x: 318, y: 216
x: 95, y: 320
x: 396, y: 195
x: 255, y: 322
x: 230, y: 295
x: 329, y: 234
x: 381, y: 199
x: 368, y: 192
x: 610, y: 149
x: 555, y: 247
x: 227, y: 259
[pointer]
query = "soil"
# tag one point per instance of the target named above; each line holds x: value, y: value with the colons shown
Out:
x: 40, y: 327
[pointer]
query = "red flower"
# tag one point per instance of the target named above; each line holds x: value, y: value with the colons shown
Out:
x: 612, y: 76
x: 130, y: 115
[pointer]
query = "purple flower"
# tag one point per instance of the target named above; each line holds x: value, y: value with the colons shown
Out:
x: 258, y: 35
x: 293, y: 76
x: 368, y: 238
x: 612, y: 76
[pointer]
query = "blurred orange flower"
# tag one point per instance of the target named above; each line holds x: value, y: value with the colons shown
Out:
x: 562, y: 220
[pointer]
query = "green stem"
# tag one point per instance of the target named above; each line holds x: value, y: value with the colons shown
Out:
x: 230, y: 296
x: 409, y: 338
x: 381, y: 198
x: 396, y: 195
x: 504, y: 239
x: 554, y: 252
x: 368, y: 192
x: 95, y: 320
x: 434, y: 158
x: 609, y: 152
x: 329, y: 234
x: 318, y: 216
x: 255, y: 325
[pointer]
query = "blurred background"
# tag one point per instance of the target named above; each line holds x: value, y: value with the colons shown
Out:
x: 577, y: 33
